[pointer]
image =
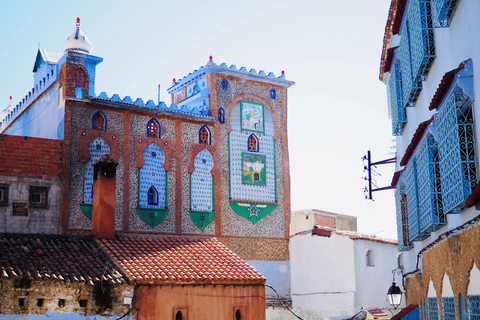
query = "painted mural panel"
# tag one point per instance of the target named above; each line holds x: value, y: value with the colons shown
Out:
x: 254, y: 171
x: 252, y: 116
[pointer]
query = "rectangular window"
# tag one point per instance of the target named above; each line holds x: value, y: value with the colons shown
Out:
x: 432, y: 308
x: 38, y: 197
x: 473, y: 305
x: 448, y: 308
x: 3, y: 195
x: 456, y: 147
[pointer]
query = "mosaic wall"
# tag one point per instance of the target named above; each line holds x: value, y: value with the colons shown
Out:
x: 97, y: 148
x: 153, y: 175
x: 139, y: 129
x: 201, y: 183
x: 227, y: 96
x: 190, y: 133
x: 242, y: 163
x: 82, y: 119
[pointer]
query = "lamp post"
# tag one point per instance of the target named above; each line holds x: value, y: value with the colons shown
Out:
x: 394, y: 293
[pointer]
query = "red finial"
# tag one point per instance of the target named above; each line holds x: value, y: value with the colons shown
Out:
x: 78, y: 20
x: 174, y: 80
x: 159, y: 85
x: 211, y: 58
x: 283, y: 73
x: 10, y: 98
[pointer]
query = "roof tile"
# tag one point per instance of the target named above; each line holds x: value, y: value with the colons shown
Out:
x: 179, y: 260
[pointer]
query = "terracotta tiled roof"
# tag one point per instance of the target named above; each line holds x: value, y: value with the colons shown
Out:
x: 179, y: 260
x: 63, y: 258
x: 320, y: 230
x: 444, y: 86
x: 392, y: 27
x: 417, y: 136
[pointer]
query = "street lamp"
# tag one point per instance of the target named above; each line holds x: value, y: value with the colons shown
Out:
x: 394, y: 293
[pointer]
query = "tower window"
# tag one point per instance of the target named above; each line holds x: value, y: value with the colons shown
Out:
x: 3, y: 195
x: 152, y: 196
x: 204, y: 135
x: 79, y: 78
x: 238, y: 315
x: 252, y: 143
x: 99, y: 121
x: 370, y: 256
x: 153, y: 129
x: 221, y: 115
x: 179, y: 316
x: 38, y: 197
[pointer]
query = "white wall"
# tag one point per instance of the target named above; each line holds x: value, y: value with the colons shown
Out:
x: 372, y: 282
x: 323, y: 276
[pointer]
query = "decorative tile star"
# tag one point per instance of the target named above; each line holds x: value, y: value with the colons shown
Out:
x: 253, y: 211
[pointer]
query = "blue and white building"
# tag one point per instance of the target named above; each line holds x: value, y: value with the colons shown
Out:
x: 431, y: 67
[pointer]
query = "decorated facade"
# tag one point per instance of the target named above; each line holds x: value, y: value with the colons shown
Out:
x: 211, y: 163
x: 430, y: 64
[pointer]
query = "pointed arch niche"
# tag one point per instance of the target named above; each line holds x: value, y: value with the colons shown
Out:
x: 152, y: 186
x: 201, y: 190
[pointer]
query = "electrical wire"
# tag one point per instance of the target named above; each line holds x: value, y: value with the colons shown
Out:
x: 281, y: 303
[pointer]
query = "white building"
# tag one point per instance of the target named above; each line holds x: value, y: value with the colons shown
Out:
x: 431, y: 66
x: 334, y: 273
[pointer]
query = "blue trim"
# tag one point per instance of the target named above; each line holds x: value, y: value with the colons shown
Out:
x: 209, y: 134
x: 225, y: 84
x: 104, y: 118
x: 152, y: 203
x: 158, y: 125
x: 221, y: 115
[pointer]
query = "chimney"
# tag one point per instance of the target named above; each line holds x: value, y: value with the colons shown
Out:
x: 103, y: 206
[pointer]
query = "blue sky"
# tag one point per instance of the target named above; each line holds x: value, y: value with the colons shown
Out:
x: 337, y: 110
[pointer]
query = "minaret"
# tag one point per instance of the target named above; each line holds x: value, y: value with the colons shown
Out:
x: 78, y: 41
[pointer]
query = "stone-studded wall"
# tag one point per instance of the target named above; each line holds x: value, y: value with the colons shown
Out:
x: 50, y: 292
x: 81, y: 119
x: 454, y: 257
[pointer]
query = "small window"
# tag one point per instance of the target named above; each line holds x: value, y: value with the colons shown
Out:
x: 370, y: 258
x: 38, y: 197
x: 79, y: 78
x: 238, y: 315
x: 21, y: 302
x: 179, y: 316
x: 99, y: 121
x: 221, y: 115
x: 153, y: 129
x: 204, y: 135
x: 61, y: 303
x: 252, y: 143
x: 3, y: 195
x: 82, y: 303
x: 152, y: 196
x: 40, y: 302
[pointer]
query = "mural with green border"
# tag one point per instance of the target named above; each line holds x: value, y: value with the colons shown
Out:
x: 253, y: 212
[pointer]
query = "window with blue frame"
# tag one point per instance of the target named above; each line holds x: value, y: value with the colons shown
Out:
x: 152, y: 196
x: 153, y: 129
x: 456, y: 141
x: 443, y: 11
x: 404, y: 243
x: 429, y: 187
x: 399, y: 115
x: 412, y: 202
x: 204, y: 136
x: 432, y: 309
x: 473, y: 307
x: 448, y: 308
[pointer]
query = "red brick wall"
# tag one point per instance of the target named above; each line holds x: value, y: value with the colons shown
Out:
x: 325, y: 221
x: 30, y: 157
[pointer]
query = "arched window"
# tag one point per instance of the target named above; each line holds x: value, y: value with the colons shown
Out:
x: 153, y: 129
x: 79, y: 77
x: 238, y: 315
x: 204, y: 135
x: 179, y: 316
x: 252, y: 143
x: 221, y: 115
x: 152, y: 196
x: 99, y: 121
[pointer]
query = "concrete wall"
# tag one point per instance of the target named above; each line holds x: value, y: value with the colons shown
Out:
x: 302, y: 220
x: 372, y: 282
x: 323, y: 276
x: 38, y: 220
